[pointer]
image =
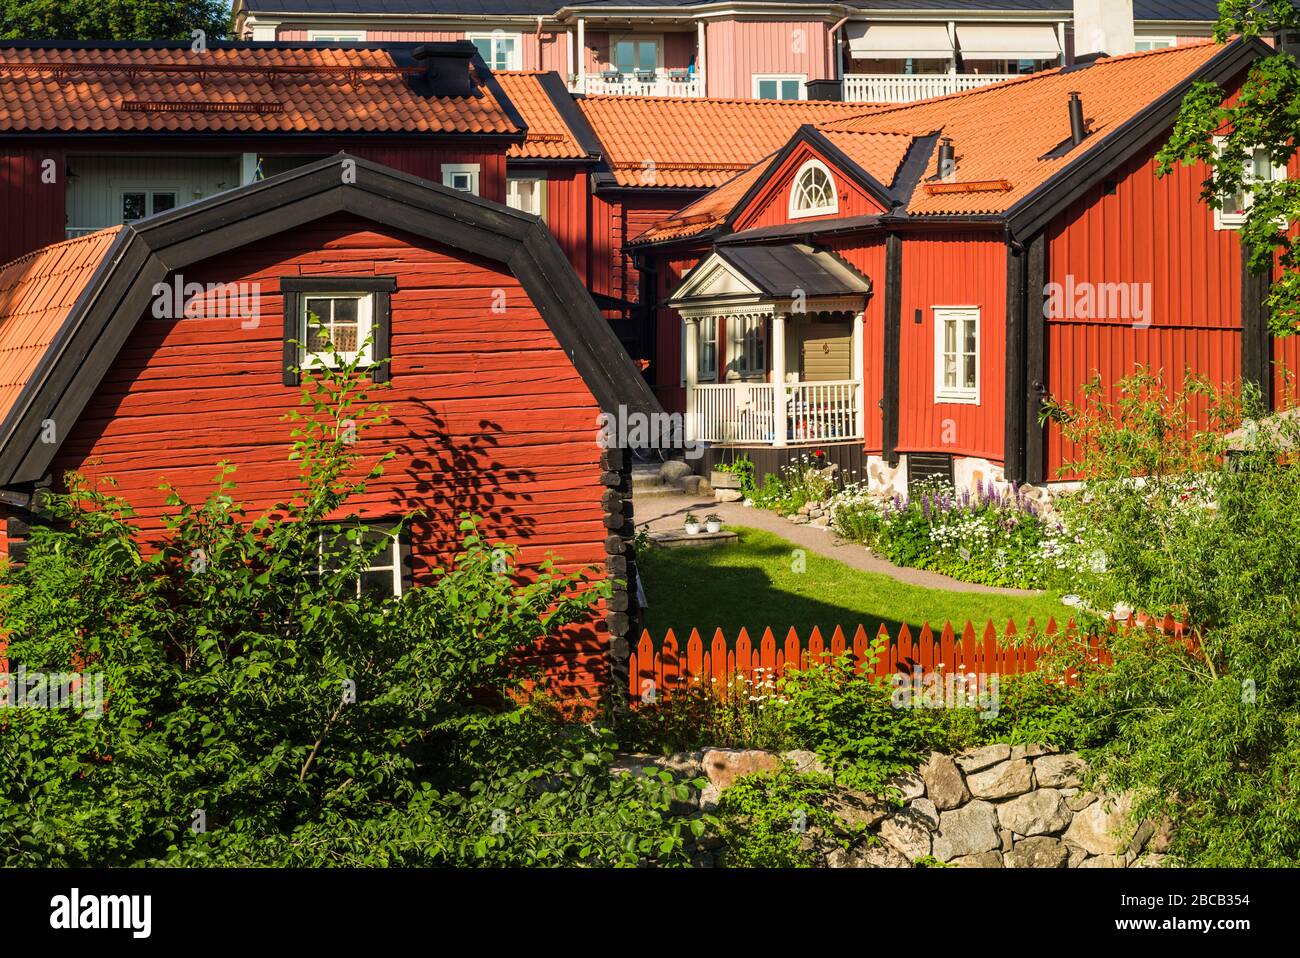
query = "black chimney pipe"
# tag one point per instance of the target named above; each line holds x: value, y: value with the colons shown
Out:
x: 947, y: 158
x: 1077, y: 130
x: 446, y: 69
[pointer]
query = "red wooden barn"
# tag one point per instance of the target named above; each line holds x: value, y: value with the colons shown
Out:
x: 499, y: 365
x: 901, y: 289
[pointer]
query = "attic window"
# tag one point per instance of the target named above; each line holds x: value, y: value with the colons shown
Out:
x: 813, y: 193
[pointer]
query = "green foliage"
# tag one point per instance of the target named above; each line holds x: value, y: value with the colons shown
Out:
x: 229, y: 655
x: 1266, y: 114
x: 1206, y: 730
x: 113, y: 19
x: 766, y: 820
x: 799, y: 483
x: 742, y: 467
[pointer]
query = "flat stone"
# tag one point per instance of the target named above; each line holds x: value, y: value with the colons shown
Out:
x: 800, y: 520
x: 907, y: 834
x: 1081, y: 800
x: 1039, y: 812
x: 1032, y: 751
x: 1077, y: 856
x: 925, y: 812
x: 1103, y: 861
x: 724, y: 765
x: 1059, y: 771
x: 1002, y: 781
x: 805, y: 760
x: 981, y: 758
x: 1007, y: 837
x: 1037, y: 852
x: 866, y: 856
x: 681, y: 539
x: 910, y: 786
x: 857, y: 810
x: 1153, y: 860
x: 943, y: 782
x: 968, y: 830
x: 982, y: 860
x: 1139, y: 840
x: 728, y: 495
x: 1102, y: 827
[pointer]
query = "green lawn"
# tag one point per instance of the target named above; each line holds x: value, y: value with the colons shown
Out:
x: 753, y: 584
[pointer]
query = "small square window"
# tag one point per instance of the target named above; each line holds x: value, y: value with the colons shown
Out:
x: 461, y: 176
x: 380, y: 575
x: 1236, y: 206
x: 956, y: 354
x: 339, y: 323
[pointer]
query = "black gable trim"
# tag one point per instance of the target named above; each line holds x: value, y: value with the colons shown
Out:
x: 102, y: 320
x: 573, y: 118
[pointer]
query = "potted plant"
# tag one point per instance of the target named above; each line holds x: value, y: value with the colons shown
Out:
x: 692, y: 524
x: 713, y: 522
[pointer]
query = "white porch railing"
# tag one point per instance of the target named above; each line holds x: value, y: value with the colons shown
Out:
x: 746, y: 413
x: 901, y: 88
x: 658, y: 83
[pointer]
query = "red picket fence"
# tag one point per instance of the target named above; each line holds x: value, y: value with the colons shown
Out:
x: 671, y: 668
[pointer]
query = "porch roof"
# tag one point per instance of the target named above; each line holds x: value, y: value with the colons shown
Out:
x: 735, y: 275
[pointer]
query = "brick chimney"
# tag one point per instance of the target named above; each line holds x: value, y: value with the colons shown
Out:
x: 1102, y: 26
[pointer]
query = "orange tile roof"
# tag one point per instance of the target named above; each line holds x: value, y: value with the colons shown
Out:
x: 37, y: 291
x: 709, y: 210
x: 244, y: 89
x: 697, y: 142
x: 549, y: 137
x: 1000, y: 132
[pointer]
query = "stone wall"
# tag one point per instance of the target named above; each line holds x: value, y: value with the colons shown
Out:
x: 1000, y: 806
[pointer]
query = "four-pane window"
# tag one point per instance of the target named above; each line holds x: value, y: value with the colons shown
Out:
x: 339, y: 323
x: 381, y: 572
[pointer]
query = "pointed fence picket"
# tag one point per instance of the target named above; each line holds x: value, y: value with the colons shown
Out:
x: 658, y: 669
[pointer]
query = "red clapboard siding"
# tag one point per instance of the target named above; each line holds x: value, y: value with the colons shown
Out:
x: 568, y: 214
x: 488, y: 414
x: 31, y: 206
x: 959, y: 268
x: 771, y: 207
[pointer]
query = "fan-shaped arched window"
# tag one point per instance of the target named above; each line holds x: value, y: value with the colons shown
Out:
x: 813, y: 193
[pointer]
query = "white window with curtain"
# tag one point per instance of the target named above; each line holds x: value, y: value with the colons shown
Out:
x: 1259, y: 169
x: 747, y: 346
x: 339, y: 324
x: 956, y: 354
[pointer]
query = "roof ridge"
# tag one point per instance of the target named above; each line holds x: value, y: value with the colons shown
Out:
x: 839, y: 104
x: 42, y: 250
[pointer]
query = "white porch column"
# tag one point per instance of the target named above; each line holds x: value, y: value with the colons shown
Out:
x: 691, y: 374
x: 952, y: 41
x: 581, y: 54
x: 781, y: 425
x: 859, y: 363
x: 702, y: 79
x: 1060, y: 38
x: 572, y: 42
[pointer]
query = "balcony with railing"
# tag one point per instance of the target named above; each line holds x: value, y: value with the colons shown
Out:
x: 769, y: 414
x: 643, y: 83
x: 903, y: 88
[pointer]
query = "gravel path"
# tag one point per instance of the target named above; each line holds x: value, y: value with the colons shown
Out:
x: 666, y: 512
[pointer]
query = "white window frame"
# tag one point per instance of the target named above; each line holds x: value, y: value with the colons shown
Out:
x: 512, y: 61
x: 703, y: 373
x: 1224, y: 220
x: 336, y: 36
x: 749, y: 366
x: 514, y: 198
x: 656, y: 38
x: 808, y: 167
x: 944, y: 393
x: 801, y: 78
x: 451, y: 170
x: 365, y: 330
x: 394, y: 553
x: 177, y: 187
x: 1155, y: 42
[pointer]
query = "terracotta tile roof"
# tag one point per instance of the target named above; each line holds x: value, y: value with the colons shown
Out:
x: 37, y: 292
x: 709, y: 210
x: 549, y: 137
x: 1002, y: 132
x: 270, y: 89
x: 880, y: 154
x: 697, y: 142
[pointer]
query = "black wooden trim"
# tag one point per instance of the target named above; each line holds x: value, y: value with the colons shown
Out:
x: 290, y: 309
x: 382, y: 348
x: 380, y: 288
x: 1034, y: 211
x: 1256, y: 341
x: 339, y: 284
x: 553, y: 84
x: 1013, y: 453
x: 75, y: 364
x: 893, y: 344
x: 1035, y: 359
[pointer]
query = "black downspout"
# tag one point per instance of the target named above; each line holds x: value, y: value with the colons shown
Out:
x: 893, y: 340
x: 1256, y: 343
x: 1036, y: 359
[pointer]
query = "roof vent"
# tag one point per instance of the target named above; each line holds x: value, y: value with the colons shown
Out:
x: 947, y: 159
x: 1077, y: 130
x: 446, y: 69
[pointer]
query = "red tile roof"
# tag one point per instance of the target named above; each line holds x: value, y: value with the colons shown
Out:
x: 271, y: 89
x: 1001, y: 133
x: 37, y: 292
x: 697, y: 142
x: 710, y: 210
x: 549, y: 137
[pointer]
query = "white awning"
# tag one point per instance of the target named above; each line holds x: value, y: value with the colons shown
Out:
x: 899, y: 41
x: 1008, y: 41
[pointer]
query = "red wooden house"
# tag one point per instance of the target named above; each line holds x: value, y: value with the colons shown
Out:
x: 498, y: 366
x: 902, y: 289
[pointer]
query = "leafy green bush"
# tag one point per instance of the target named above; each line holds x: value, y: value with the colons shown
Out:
x: 804, y: 480
x: 767, y: 820
x: 258, y: 709
x: 1207, y: 730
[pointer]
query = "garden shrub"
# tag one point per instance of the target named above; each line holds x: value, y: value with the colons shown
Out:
x: 768, y: 820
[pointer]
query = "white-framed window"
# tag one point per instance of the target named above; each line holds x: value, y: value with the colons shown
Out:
x: 341, y: 323
x: 135, y: 203
x: 336, y: 36
x: 957, y: 354
x: 747, y: 346
x: 780, y: 86
x: 1153, y: 43
x: 527, y: 194
x: 636, y: 54
x: 707, y: 367
x: 381, y: 575
x: 1259, y: 169
x: 461, y: 176
x: 499, y: 50
x: 813, y: 191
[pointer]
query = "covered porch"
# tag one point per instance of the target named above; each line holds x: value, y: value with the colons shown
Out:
x: 773, y: 347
